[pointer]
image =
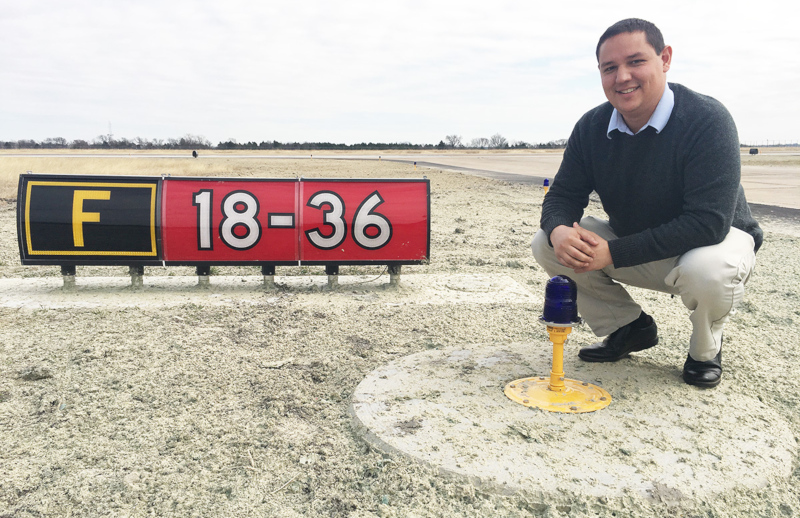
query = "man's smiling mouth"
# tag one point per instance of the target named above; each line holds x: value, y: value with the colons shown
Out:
x: 629, y: 90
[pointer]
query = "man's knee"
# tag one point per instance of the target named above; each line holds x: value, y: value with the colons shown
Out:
x: 599, y: 227
x: 542, y: 251
x: 711, y: 272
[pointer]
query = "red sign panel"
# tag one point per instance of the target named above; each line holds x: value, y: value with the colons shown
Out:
x: 229, y: 221
x: 351, y: 221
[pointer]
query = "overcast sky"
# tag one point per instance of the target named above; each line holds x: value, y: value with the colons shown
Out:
x: 360, y: 71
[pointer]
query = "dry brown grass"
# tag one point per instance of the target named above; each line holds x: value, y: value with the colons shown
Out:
x: 248, y: 163
x: 773, y: 160
x: 180, y: 163
x: 12, y: 167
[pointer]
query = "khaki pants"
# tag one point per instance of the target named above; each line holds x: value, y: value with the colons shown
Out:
x: 710, y: 281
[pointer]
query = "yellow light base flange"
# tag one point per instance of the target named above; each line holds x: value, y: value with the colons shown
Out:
x: 575, y: 397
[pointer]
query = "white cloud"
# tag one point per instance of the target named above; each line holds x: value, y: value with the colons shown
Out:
x: 356, y: 71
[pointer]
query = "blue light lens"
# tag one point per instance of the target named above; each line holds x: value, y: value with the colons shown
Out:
x: 561, y: 301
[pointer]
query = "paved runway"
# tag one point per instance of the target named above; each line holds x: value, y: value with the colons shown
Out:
x: 775, y: 185
x: 773, y: 191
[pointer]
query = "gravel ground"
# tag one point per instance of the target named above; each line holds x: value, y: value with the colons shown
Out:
x: 240, y: 408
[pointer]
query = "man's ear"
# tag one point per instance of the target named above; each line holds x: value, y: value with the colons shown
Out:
x: 666, y: 57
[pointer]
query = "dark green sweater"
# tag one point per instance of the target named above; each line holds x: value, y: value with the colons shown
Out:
x: 665, y: 193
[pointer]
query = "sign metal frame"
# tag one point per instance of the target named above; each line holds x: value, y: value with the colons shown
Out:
x: 159, y: 186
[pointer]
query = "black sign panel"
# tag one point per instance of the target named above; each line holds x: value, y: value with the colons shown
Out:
x: 100, y: 220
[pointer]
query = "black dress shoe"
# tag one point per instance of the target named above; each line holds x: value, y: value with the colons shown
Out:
x: 703, y: 374
x: 622, y: 342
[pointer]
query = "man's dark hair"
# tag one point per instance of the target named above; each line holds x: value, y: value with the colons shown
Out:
x: 651, y: 32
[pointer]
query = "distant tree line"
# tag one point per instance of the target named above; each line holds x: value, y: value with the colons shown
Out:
x: 321, y: 146
x: 496, y: 141
x: 109, y: 142
x: 187, y: 142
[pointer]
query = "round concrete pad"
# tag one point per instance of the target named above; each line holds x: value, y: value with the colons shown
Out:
x: 659, y: 439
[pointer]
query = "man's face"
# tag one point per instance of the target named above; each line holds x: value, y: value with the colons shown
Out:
x: 633, y: 76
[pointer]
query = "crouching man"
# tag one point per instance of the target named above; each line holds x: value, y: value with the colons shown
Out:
x: 665, y: 162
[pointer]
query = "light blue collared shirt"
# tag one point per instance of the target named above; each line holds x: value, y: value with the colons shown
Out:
x: 658, y: 120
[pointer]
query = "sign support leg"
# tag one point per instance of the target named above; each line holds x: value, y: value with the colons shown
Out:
x: 394, y: 275
x: 137, y: 276
x: 332, y: 270
x: 68, y: 274
x: 268, y: 271
x: 203, y: 276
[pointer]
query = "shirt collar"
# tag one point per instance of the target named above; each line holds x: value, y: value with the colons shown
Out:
x: 658, y: 120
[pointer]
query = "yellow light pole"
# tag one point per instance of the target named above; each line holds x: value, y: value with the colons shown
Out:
x: 558, y: 335
x: 559, y: 394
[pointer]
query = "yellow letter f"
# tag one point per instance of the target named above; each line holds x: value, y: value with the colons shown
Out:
x: 79, y: 217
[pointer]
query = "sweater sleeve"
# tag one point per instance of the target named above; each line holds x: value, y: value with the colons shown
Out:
x: 569, y: 193
x: 711, y: 171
